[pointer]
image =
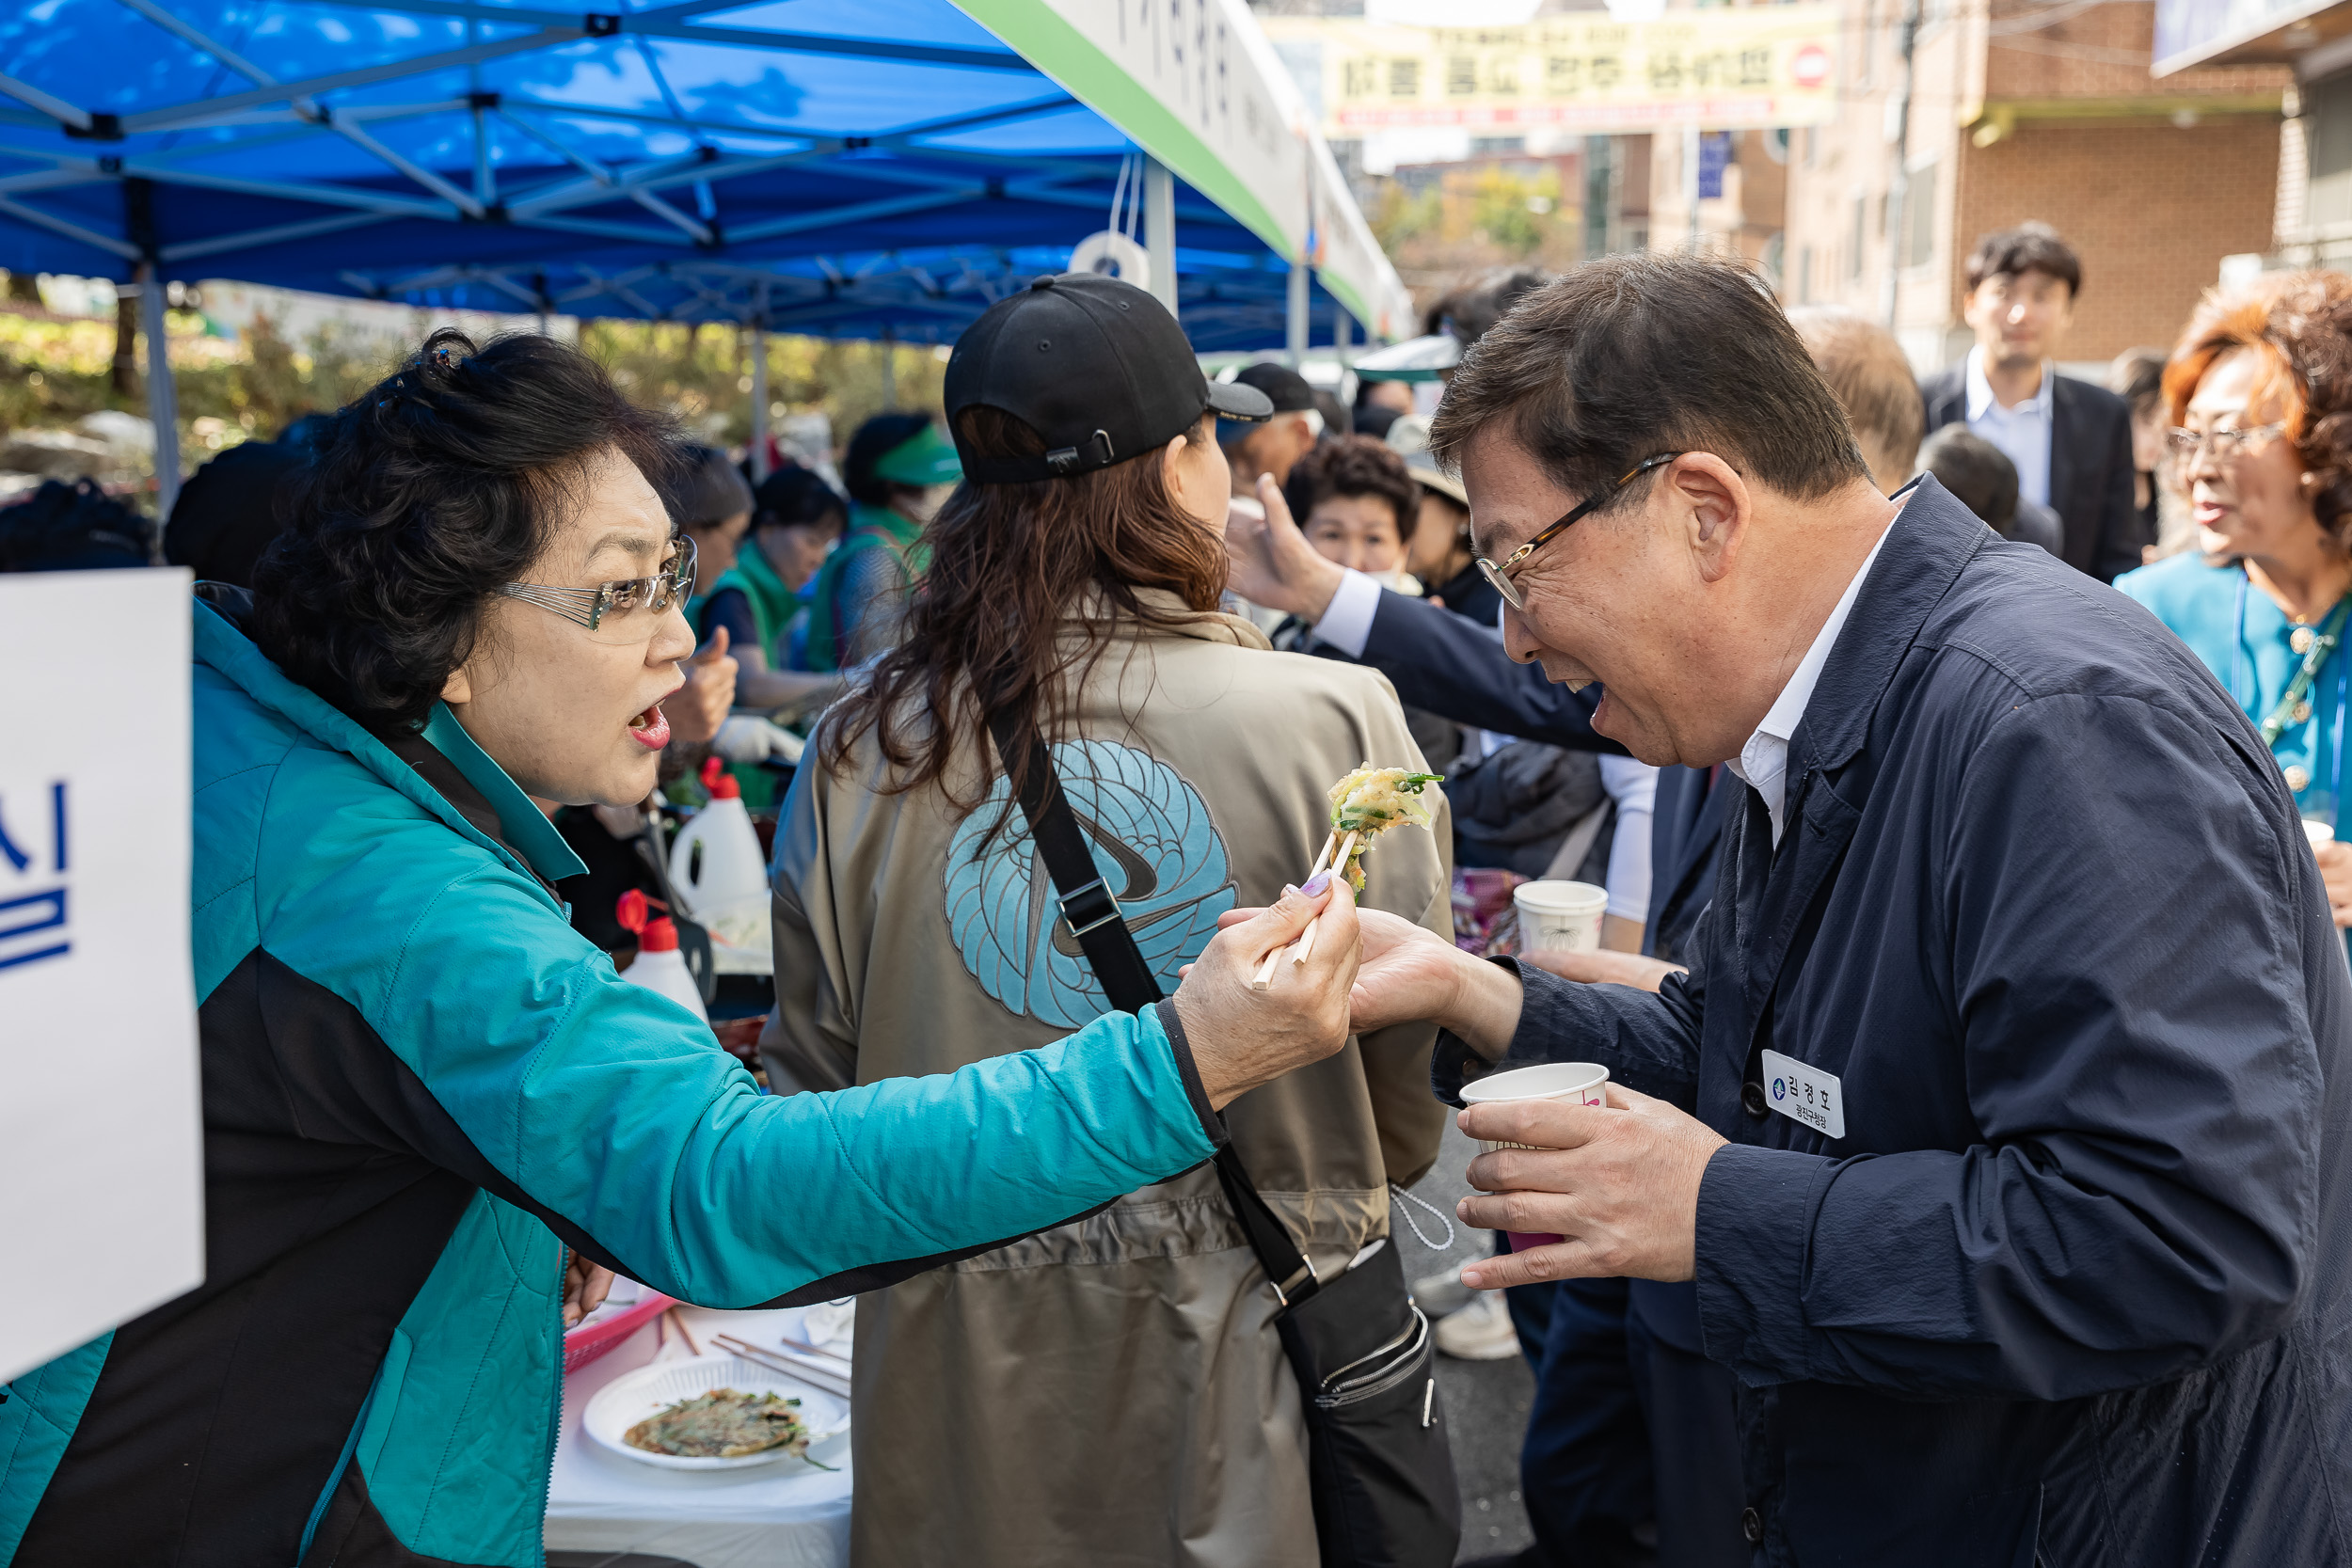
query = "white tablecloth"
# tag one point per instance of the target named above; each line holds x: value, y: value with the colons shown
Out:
x: 782, y: 1515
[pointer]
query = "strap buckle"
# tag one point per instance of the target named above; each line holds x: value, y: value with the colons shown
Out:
x: 1090, y: 907
x: 1283, y: 1289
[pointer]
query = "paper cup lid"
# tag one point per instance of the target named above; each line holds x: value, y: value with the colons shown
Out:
x: 1549, y: 1081
x: 1561, y: 897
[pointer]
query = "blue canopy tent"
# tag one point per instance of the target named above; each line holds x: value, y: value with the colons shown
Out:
x: 845, y: 167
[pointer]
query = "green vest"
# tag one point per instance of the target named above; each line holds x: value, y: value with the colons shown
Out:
x: 870, y: 528
x: 772, y: 604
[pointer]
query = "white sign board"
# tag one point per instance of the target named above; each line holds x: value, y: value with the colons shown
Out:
x: 1194, y: 83
x: 101, y: 1171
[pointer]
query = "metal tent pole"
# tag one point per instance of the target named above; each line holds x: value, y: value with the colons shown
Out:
x: 163, y: 400
x: 1294, y: 334
x: 759, y: 386
x: 1159, y: 230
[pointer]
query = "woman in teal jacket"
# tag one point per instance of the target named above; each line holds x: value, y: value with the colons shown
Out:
x: 2261, y: 392
x: 420, y: 1086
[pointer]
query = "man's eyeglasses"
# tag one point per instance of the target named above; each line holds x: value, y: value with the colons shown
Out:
x: 1501, y: 574
x: 624, y: 611
x: 2185, y: 446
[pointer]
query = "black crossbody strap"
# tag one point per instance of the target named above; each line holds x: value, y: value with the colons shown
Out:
x: 1094, y: 918
x: 1087, y: 904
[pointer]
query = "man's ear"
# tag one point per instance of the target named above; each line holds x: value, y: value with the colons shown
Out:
x: 458, y: 689
x: 1709, y: 502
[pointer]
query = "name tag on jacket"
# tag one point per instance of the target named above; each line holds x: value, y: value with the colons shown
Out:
x: 1805, y: 1092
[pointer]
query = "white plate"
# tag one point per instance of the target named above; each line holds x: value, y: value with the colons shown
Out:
x: 647, y: 1391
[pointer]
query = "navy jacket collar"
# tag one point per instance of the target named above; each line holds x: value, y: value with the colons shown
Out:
x: 1926, y: 545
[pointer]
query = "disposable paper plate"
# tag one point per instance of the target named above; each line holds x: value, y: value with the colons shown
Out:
x: 629, y: 1399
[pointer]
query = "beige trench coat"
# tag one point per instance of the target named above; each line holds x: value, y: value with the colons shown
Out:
x: 1111, y: 1391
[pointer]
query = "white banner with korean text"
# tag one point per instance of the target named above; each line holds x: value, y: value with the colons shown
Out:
x: 101, y: 1174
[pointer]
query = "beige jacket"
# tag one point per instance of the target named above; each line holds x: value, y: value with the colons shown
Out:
x: 1111, y: 1391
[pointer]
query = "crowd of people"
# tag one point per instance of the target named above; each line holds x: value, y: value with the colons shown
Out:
x: 1977, y: 723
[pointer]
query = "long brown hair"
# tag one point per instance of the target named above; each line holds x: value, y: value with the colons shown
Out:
x: 1011, y: 566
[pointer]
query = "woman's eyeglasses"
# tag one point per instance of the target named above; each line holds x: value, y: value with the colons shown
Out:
x: 624, y: 611
x: 2185, y: 446
x: 1501, y: 574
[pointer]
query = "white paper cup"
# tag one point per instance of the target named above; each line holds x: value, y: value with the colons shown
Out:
x: 1583, y: 1083
x: 2319, y: 832
x: 1560, y: 916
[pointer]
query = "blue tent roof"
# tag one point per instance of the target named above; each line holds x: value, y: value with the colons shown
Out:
x: 848, y: 167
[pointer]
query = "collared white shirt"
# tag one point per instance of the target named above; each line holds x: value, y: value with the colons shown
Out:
x: 1346, y: 622
x: 1763, y: 762
x: 2022, y: 433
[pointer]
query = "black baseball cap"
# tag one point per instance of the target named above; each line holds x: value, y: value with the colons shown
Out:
x: 1095, y: 366
x: 1285, y: 388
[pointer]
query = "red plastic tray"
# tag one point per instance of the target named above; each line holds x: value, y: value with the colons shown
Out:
x: 583, y: 1344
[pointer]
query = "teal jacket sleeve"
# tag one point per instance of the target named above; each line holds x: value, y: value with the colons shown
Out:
x: 527, y: 1064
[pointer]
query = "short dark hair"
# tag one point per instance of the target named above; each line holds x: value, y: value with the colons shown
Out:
x: 703, y: 489
x: 876, y: 440
x: 1354, y: 466
x: 1631, y: 355
x: 795, y: 496
x: 2136, y: 376
x: 1470, y: 312
x: 424, y: 495
x: 1977, y: 473
x: 2028, y: 247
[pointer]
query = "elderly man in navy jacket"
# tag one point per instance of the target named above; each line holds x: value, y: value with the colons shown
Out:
x: 2001, y: 1122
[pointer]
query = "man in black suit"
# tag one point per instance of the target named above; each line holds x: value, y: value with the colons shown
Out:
x: 2072, y: 441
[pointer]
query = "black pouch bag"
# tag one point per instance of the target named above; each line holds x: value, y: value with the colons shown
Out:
x: 1378, y: 1459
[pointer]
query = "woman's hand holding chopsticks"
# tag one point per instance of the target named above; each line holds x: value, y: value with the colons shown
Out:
x: 1241, y: 1036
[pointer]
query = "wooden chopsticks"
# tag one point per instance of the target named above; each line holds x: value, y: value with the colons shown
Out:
x: 1306, y: 942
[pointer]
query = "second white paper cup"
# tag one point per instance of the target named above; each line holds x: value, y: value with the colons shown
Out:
x: 1586, y: 1083
x: 1560, y: 916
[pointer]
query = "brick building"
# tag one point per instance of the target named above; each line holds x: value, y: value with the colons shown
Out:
x: 2030, y: 109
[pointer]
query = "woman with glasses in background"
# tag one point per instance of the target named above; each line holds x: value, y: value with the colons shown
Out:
x: 2259, y: 396
x: 428, y: 1102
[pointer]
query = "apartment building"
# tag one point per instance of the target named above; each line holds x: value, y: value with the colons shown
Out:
x: 2022, y: 109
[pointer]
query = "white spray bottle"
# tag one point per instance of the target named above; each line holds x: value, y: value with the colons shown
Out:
x: 659, y: 965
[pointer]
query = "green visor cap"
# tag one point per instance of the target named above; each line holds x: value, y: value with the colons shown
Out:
x: 925, y: 457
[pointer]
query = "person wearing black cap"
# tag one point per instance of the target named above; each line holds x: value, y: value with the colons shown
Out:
x: 1111, y: 1390
x: 1271, y: 446
x: 228, y: 512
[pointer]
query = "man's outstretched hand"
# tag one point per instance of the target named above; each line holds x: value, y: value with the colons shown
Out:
x: 1242, y: 1038
x: 1411, y: 974
x: 1272, y: 562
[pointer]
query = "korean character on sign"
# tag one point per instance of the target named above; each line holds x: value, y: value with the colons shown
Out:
x: 1605, y: 72
x: 33, y: 924
x: 1405, y: 78
x: 1563, y: 76
x: 1502, y: 75
x: 1756, y: 68
x: 1461, y: 75
x: 1665, y: 72
x: 1359, y: 78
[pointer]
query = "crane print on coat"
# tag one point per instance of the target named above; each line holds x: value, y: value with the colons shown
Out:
x: 1157, y: 847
